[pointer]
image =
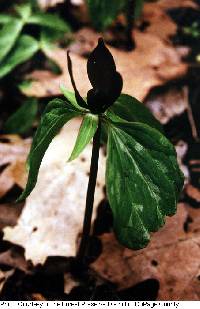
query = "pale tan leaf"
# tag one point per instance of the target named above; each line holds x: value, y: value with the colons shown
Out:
x: 13, y: 153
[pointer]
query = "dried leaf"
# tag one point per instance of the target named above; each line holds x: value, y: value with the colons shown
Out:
x: 172, y: 258
x: 14, y: 258
x: 52, y: 218
x: 169, y: 4
x: 193, y: 192
x: 160, y: 24
x: 13, y: 153
x: 168, y: 104
x: 9, y: 214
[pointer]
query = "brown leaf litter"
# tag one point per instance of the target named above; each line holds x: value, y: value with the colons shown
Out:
x: 168, y: 104
x: 172, y: 258
x: 52, y: 218
x: 13, y: 154
x: 154, y: 61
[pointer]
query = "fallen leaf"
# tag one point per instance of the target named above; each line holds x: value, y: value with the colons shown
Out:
x: 13, y: 154
x: 14, y: 258
x: 51, y: 221
x: 9, y: 214
x: 172, y: 258
x: 169, y: 4
x: 193, y: 192
x: 168, y: 104
x: 158, y: 22
x: 193, y: 224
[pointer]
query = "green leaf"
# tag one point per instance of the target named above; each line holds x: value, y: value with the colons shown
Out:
x: 49, y: 20
x: 9, y: 34
x: 130, y: 109
x: 48, y: 37
x: 56, y: 114
x: 21, y: 121
x: 25, y: 48
x: 24, y: 11
x: 143, y: 181
x: 86, y: 132
x: 138, y: 8
x: 4, y: 18
x: 103, y: 12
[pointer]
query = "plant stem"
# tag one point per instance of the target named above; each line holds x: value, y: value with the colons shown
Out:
x: 130, y: 24
x: 90, y: 195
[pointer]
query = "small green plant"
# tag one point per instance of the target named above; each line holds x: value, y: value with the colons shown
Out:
x: 17, y: 45
x: 103, y: 13
x: 143, y: 180
x: 22, y: 119
x: 193, y: 30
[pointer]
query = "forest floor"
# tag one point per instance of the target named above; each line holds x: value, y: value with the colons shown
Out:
x: 39, y: 237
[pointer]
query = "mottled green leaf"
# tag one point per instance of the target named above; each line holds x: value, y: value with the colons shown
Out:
x: 143, y: 181
x: 21, y: 121
x: 130, y: 109
x: 56, y: 114
x: 24, y: 49
x: 9, y: 34
x: 52, y: 21
x: 86, y: 132
x: 103, y: 12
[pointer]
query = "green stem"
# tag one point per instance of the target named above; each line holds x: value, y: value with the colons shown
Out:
x: 90, y: 195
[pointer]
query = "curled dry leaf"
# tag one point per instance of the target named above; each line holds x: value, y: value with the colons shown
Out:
x: 172, y: 258
x: 154, y: 61
x: 52, y: 218
x: 13, y: 154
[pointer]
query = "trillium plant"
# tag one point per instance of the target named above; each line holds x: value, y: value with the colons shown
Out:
x: 143, y: 179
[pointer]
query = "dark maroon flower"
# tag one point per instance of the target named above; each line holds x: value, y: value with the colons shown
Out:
x: 106, y: 81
